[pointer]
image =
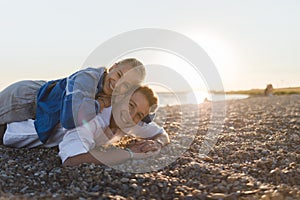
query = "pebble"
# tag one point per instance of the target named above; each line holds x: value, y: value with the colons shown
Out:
x: 236, y: 165
x: 124, y: 180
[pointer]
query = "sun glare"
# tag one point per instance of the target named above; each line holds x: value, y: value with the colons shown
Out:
x: 221, y: 52
x: 170, y: 69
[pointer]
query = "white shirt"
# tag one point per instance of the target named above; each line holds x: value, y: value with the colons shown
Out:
x: 84, y: 138
x: 74, y: 141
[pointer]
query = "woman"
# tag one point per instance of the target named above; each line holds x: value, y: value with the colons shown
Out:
x: 78, y: 145
x: 58, y: 101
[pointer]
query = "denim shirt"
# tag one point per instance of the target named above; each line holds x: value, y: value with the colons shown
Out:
x: 69, y: 101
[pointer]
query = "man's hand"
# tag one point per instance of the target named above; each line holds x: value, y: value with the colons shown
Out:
x: 145, y: 155
x: 144, y: 146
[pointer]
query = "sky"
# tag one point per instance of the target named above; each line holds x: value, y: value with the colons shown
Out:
x: 251, y: 42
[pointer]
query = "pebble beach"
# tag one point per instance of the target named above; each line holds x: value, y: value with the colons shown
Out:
x: 256, y: 155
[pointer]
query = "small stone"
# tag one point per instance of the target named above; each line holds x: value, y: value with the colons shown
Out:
x: 277, y: 196
x: 124, y: 180
x: 264, y: 187
x: 11, y: 162
x: 295, y: 137
x: 265, y: 197
x: 217, y: 196
x: 144, y: 191
x: 24, y: 189
x: 160, y: 185
x: 236, y: 165
x: 134, y: 186
x: 133, y: 180
x: 205, y: 158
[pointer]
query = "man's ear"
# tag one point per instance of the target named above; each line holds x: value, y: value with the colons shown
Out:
x: 149, y: 118
x: 119, y: 98
x: 153, y: 108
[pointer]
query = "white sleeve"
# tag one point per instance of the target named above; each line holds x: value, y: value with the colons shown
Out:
x: 81, y: 139
x: 144, y: 130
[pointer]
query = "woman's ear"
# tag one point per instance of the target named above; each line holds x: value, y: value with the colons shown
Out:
x: 113, y: 67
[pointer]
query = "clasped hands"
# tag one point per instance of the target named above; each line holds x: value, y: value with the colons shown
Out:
x: 143, y: 148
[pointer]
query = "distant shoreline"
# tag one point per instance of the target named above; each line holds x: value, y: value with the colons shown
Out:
x: 259, y: 92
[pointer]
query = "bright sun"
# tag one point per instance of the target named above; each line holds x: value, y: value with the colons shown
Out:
x: 221, y: 52
x: 168, y: 70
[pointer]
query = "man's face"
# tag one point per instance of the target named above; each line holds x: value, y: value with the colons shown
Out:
x: 128, y: 112
x: 121, y: 78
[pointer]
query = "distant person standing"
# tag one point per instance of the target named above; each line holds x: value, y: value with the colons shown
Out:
x: 269, y: 90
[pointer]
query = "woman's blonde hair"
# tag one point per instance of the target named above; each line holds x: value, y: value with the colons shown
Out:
x: 135, y: 64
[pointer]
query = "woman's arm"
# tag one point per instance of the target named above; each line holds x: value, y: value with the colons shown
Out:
x: 79, y: 103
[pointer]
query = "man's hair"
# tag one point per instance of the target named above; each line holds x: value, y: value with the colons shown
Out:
x: 140, y: 68
x: 150, y: 96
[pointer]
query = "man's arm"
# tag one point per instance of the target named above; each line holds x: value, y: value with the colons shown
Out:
x: 110, y: 157
x: 98, y: 157
x: 162, y: 138
x: 79, y: 159
x: 156, y: 143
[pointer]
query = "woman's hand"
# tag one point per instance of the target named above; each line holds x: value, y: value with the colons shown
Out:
x: 104, y: 101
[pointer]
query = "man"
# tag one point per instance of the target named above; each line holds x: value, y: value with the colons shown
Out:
x: 78, y: 145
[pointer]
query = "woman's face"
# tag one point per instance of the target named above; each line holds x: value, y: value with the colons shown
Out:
x: 129, y: 111
x: 112, y: 82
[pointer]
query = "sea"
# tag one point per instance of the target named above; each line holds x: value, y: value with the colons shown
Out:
x: 197, y: 97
